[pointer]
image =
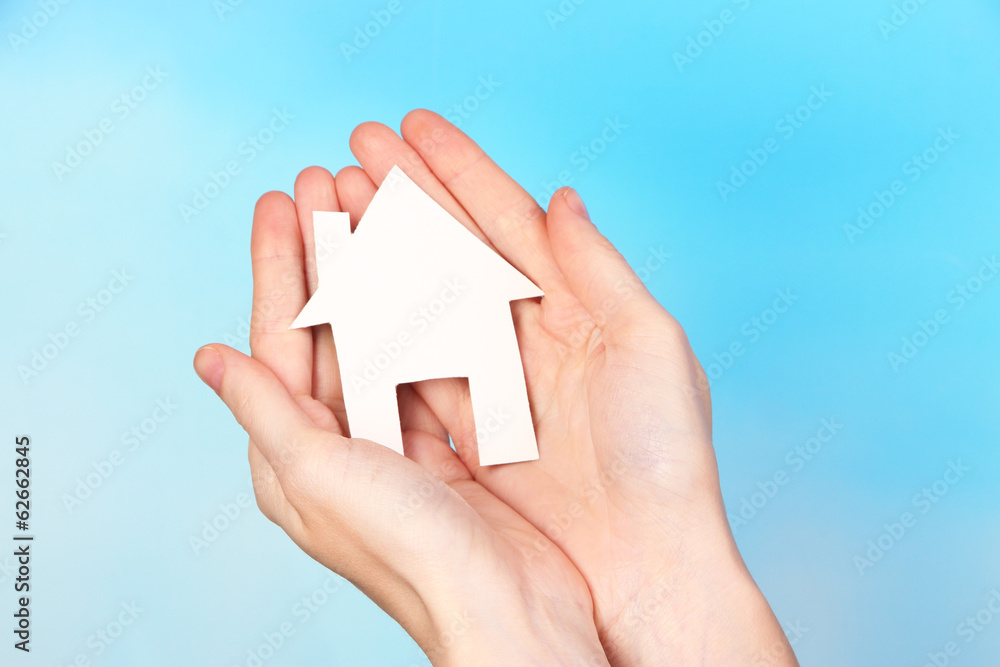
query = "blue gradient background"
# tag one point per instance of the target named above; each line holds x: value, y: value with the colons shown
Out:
x: 654, y: 186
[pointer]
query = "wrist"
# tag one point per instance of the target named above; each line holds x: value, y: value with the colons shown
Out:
x: 495, y: 638
x: 507, y: 624
x: 707, y: 593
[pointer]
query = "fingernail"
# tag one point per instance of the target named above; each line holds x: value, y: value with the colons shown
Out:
x: 209, y: 367
x: 575, y: 203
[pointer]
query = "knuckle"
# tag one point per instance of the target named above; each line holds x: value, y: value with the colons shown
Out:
x: 521, y: 212
x: 265, y: 505
x: 298, y: 464
x: 673, y: 333
x: 264, y: 493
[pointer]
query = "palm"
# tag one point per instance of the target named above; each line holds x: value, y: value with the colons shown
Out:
x: 626, y: 437
x: 625, y: 440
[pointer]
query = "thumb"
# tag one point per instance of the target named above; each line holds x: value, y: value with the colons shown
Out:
x: 260, y: 403
x: 359, y: 478
x: 355, y: 506
x: 595, y: 271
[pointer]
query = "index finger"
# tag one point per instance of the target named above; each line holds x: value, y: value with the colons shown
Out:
x: 510, y: 217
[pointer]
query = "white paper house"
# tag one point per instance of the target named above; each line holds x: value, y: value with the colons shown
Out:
x: 413, y: 295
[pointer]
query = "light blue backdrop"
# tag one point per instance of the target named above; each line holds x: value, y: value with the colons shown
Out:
x: 695, y: 92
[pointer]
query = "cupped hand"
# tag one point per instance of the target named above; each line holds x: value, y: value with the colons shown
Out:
x: 627, y: 482
x: 443, y: 558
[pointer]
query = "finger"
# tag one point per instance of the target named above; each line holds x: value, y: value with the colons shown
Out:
x: 451, y: 402
x: 378, y: 149
x: 425, y: 439
x: 341, y: 493
x: 279, y: 293
x: 355, y: 191
x: 435, y: 456
x: 510, y: 217
x: 275, y: 421
x: 316, y: 190
x: 596, y: 272
x: 414, y: 414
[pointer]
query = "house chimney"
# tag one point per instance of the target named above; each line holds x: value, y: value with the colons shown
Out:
x: 331, y: 232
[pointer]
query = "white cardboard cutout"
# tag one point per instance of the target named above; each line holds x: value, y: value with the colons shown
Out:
x: 413, y: 295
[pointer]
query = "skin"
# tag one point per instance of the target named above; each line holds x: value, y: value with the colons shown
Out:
x: 612, y: 548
